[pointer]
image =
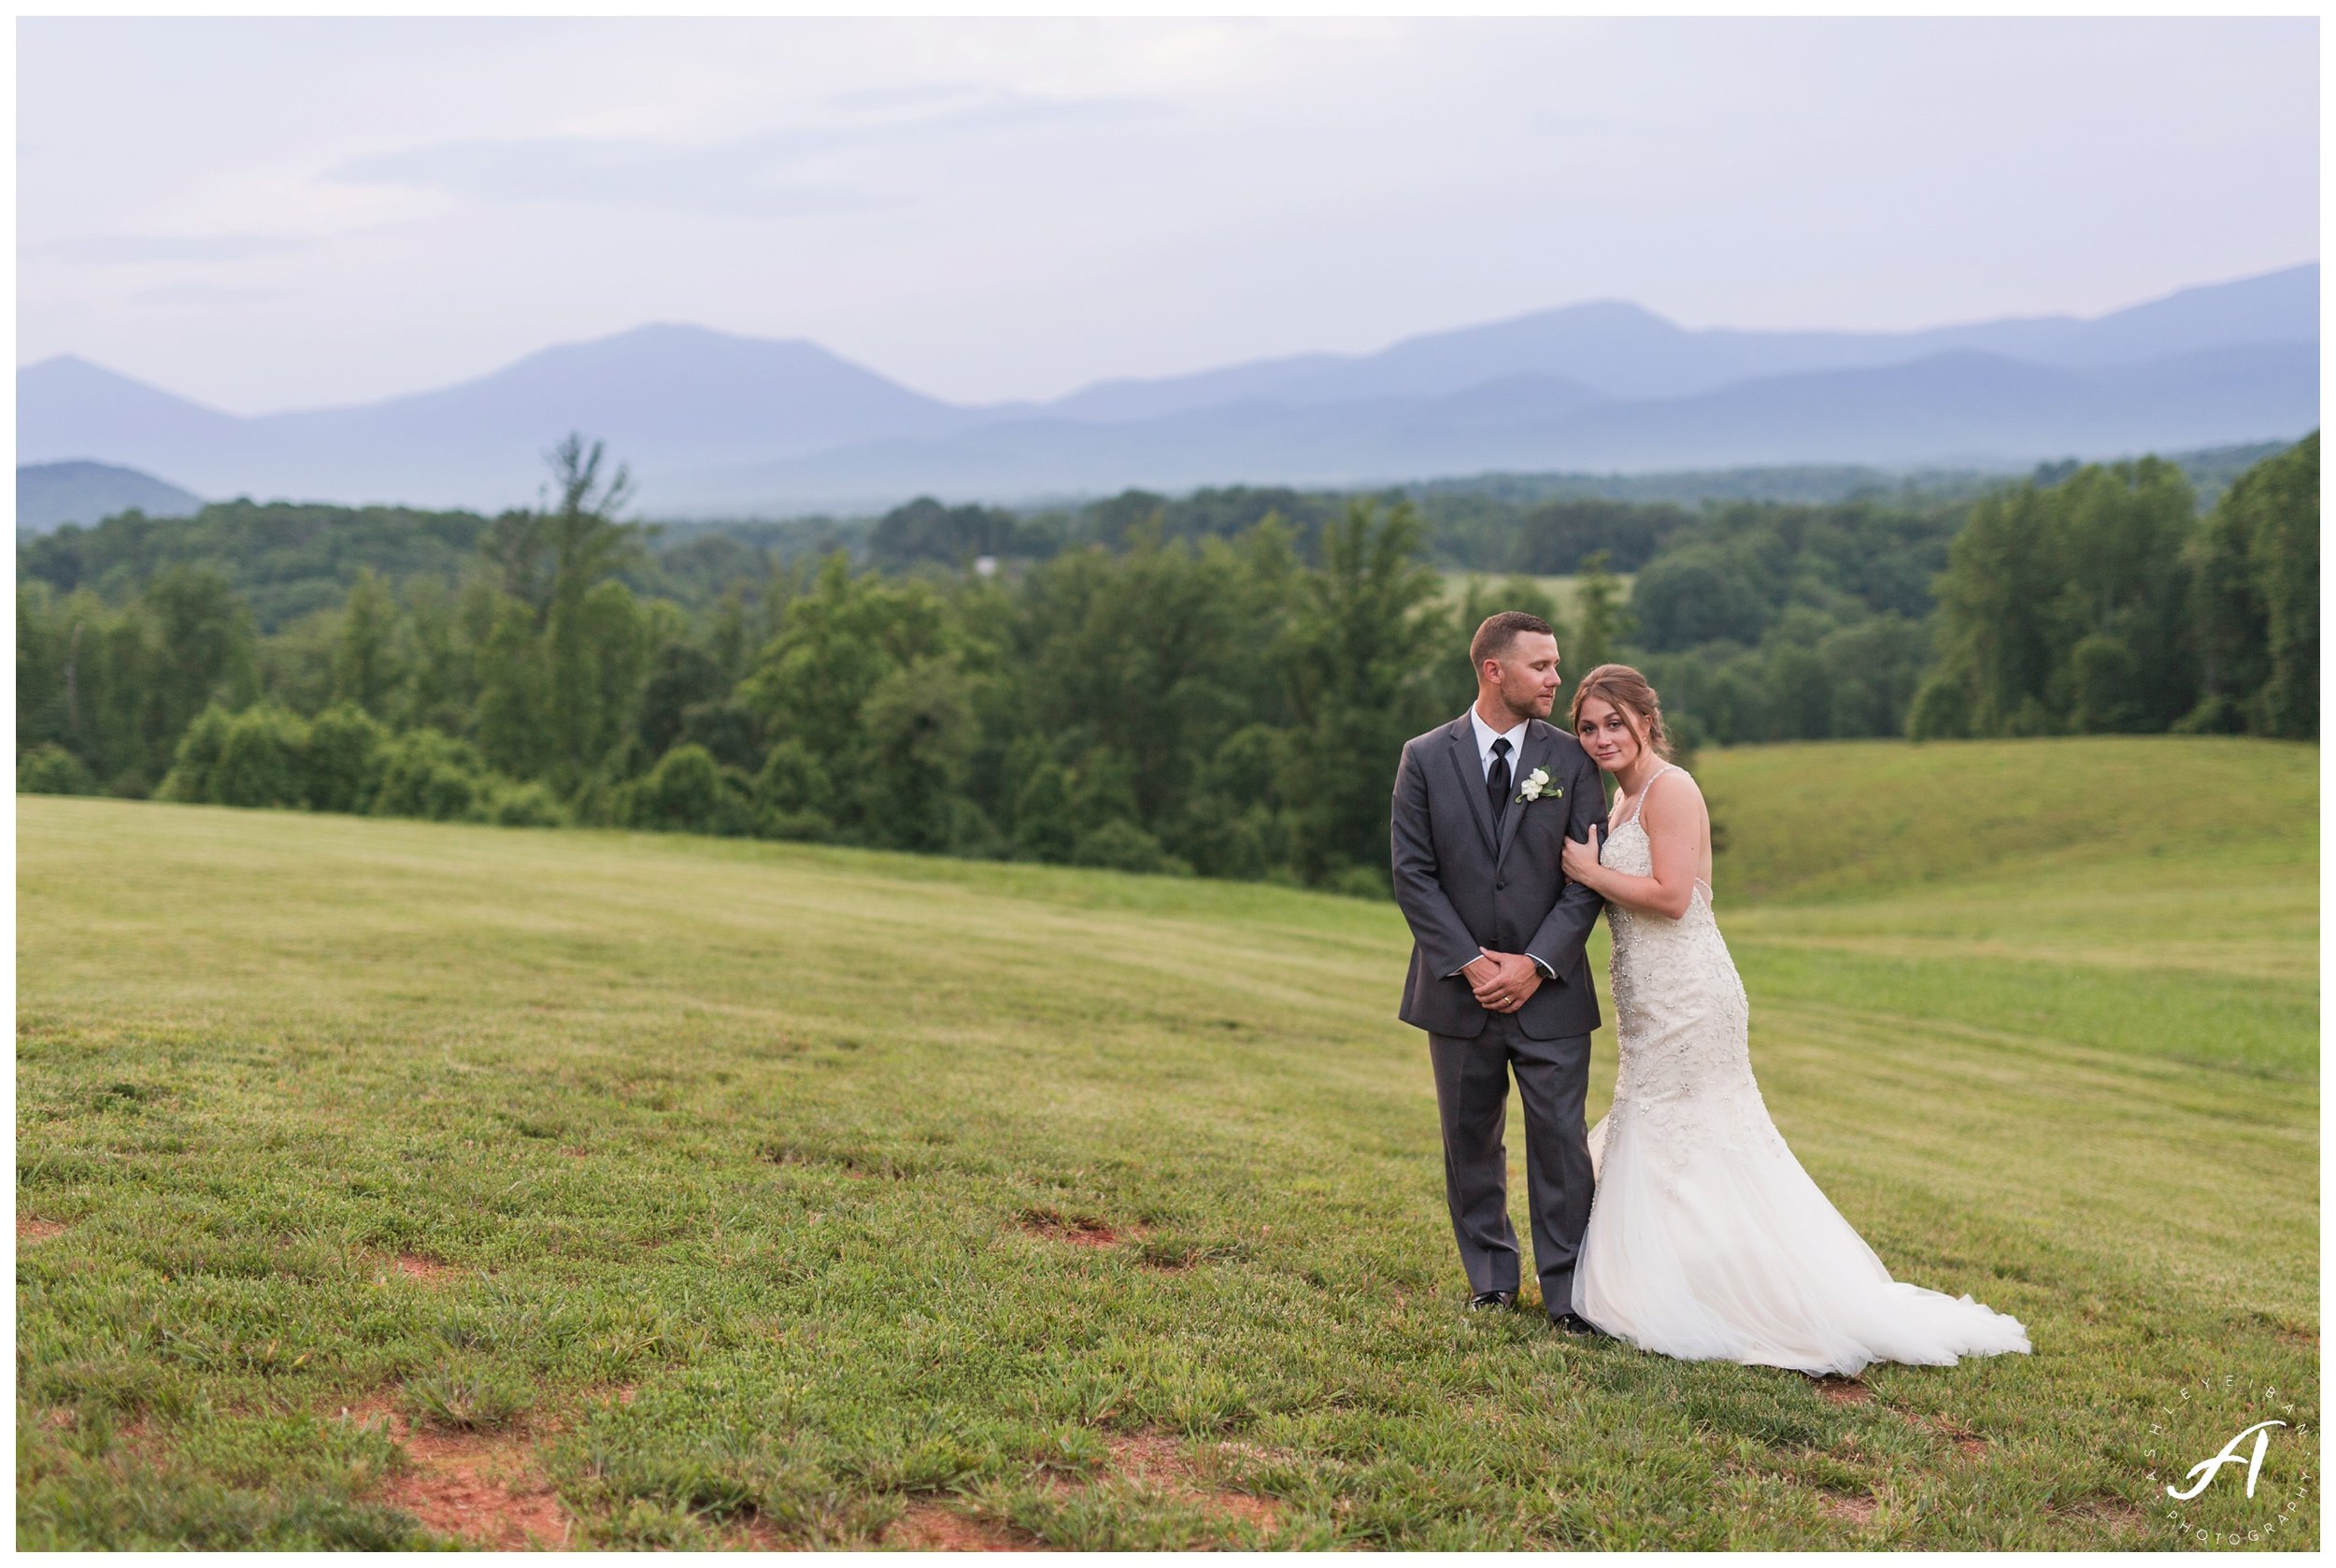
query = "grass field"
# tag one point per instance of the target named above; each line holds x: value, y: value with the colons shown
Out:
x: 1564, y: 590
x: 383, y: 1184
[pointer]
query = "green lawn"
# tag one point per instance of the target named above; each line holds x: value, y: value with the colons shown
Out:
x: 1565, y: 588
x: 382, y: 1183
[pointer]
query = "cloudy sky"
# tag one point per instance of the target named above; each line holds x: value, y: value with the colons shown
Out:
x: 279, y: 213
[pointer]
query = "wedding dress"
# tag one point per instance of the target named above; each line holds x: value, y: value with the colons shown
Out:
x: 1707, y: 1241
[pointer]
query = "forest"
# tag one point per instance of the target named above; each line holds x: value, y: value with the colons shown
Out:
x: 1214, y: 684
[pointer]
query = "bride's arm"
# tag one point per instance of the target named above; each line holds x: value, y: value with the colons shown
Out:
x: 1674, y: 816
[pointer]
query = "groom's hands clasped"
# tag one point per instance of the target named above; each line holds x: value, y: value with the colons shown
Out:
x: 1504, y: 982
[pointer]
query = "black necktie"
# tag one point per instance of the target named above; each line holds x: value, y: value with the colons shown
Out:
x: 1497, y: 781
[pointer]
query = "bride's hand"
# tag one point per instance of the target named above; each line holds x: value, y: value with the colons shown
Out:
x: 1579, y: 859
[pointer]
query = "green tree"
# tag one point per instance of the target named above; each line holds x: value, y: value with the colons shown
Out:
x: 1999, y: 640
x: 201, y: 652
x: 2287, y: 564
x: 367, y: 669
x: 511, y: 720
x: 2128, y: 648
x: 343, y: 758
x: 1603, y: 621
x: 1358, y: 662
x: 841, y: 640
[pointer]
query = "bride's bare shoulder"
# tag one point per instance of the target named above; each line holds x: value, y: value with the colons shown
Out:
x: 1675, y: 796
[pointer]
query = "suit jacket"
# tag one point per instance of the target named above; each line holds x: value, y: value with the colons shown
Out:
x: 1467, y: 881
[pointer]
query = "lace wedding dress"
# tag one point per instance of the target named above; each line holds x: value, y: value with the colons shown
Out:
x: 1707, y: 1241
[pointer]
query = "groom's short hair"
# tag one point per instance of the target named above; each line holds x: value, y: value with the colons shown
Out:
x: 1493, y: 637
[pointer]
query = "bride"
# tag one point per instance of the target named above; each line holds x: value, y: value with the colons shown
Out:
x: 1707, y: 1241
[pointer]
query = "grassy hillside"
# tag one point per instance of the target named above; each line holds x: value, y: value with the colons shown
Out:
x: 378, y: 1177
x: 1564, y: 590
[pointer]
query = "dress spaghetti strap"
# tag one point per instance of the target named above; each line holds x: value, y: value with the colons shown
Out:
x: 1639, y: 809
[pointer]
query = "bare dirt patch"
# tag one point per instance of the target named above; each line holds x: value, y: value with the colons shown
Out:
x: 30, y: 1229
x: 932, y: 1528
x: 751, y: 1532
x: 1858, y: 1511
x: 413, y: 1265
x: 1970, y: 1443
x: 486, y: 1487
x: 1076, y: 1230
x: 1153, y: 1460
x: 2118, y: 1516
x: 1843, y: 1390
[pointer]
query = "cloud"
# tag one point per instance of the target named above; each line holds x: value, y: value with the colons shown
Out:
x: 759, y: 176
x: 205, y: 293
x: 741, y: 179
x: 132, y: 249
x: 881, y: 99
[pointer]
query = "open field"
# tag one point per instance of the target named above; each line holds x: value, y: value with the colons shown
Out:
x: 1566, y: 590
x: 383, y: 1183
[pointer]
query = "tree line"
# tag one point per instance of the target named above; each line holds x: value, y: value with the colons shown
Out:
x: 1220, y: 686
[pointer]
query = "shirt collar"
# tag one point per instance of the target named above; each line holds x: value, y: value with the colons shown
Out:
x: 1487, y: 734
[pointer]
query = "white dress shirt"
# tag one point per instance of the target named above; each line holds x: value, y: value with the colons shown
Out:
x: 1485, y: 735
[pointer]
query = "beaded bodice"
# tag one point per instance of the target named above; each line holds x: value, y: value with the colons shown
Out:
x: 1681, y: 1016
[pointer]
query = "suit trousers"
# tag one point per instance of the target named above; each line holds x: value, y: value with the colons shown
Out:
x: 1471, y: 1095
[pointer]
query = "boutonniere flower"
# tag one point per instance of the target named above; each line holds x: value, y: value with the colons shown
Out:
x: 1536, y: 786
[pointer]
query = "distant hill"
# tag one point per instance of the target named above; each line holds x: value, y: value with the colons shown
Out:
x: 1963, y: 409
x: 48, y: 496
x: 713, y: 424
x: 1627, y: 351
x: 670, y: 398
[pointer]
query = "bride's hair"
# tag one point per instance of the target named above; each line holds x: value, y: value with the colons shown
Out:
x: 1627, y: 690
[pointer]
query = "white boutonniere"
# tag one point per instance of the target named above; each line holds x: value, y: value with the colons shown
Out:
x: 1536, y: 786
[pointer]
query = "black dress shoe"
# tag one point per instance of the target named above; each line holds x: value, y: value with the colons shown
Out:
x: 1484, y: 1299
x: 1579, y: 1326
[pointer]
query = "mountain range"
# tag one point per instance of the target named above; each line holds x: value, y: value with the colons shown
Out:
x: 717, y: 423
x: 51, y: 494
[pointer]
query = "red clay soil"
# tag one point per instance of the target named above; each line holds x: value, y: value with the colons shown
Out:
x: 1160, y: 1463
x: 1064, y: 1228
x: 30, y: 1229
x: 1146, y: 1459
x: 2116, y: 1514
x: 1850, y: 1510
x: 1970, y: 1443
x: 930, y: 1527
x: 485, y: 1487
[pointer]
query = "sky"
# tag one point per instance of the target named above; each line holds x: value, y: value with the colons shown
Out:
x: 265, y: 213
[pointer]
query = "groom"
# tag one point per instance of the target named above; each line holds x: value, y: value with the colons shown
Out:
x: 1498, y: 976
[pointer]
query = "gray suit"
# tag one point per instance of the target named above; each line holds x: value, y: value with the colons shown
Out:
x: 1468, y: 882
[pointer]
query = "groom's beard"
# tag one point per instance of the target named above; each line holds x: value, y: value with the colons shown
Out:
x: 1538, y: 705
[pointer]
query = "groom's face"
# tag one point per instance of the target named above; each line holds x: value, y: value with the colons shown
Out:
x: 1528, y: 675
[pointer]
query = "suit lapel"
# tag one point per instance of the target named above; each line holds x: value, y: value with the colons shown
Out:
x: 1471, y: 778
x: 1536, y: 753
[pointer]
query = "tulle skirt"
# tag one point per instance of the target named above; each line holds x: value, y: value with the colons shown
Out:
x: 1724, y: 1249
